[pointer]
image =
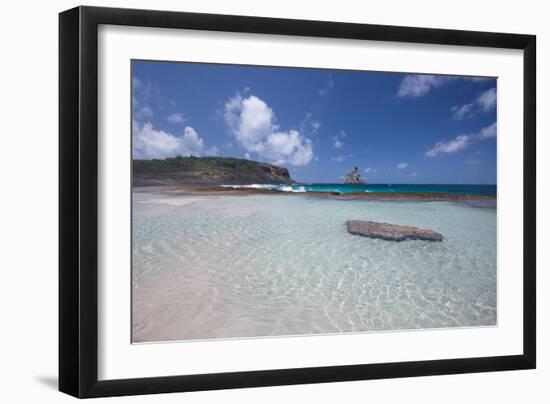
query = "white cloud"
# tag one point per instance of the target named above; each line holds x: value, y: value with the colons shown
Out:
x: 289, y: 147
x: 328, y: 86
x: 141, y: 97
x: 413, y: 174
x: 247, y: 156
x: 212, y: 151
x: 337, y: 140
x: 488, y: 132
x: 309, y: 125
x: 144, y: 111
x: 473, y: 161
x: 253, y: 124
x: 462, y: 142
x: 488, y: 100
x: 338, y: 158
x: 463, y: 111
x: 250, y: 120
x: 484, y: 103
x: 149, y: 143
x: 478, y: 79
x: 315, y: 126
x: 191, y: 140
x: 417, y: 85
x: 136, y: 82
x: 401, y: 166
x: 370, y: 170
x: 452, y: 146
x: 176, y: 117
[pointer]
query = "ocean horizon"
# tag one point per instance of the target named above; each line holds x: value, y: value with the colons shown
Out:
x: 457, y: 189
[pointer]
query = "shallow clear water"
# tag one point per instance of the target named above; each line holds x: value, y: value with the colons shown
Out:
x: 242, y: 266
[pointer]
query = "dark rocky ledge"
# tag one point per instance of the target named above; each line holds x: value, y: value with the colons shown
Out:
x: 202, y: 190
x: 391, y: 232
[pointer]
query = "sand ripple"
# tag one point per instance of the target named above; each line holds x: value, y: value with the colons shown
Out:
x: 285, y: 265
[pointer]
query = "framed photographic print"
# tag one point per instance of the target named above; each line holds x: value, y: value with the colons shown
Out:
x: 251, y: 201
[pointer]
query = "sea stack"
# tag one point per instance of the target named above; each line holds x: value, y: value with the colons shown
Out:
x: 354, y: 177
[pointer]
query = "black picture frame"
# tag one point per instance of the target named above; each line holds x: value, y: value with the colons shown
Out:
x: 78, y: 201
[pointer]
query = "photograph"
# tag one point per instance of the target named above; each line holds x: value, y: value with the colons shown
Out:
x: 292, y: 201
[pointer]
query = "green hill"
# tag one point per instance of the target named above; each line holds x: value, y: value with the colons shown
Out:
x: 207, y: 171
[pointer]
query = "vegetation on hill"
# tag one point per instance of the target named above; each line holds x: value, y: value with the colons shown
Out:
x: 206, y: 170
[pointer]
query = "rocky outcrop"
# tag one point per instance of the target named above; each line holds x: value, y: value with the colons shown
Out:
x: 391, y: 232
x: 353, y: 177
x: 207, y: 171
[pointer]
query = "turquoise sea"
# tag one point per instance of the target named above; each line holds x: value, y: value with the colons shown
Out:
x: 227, y: 266
x: 487, y: 190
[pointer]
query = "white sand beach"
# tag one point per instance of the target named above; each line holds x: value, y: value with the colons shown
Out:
x: 171, y: 202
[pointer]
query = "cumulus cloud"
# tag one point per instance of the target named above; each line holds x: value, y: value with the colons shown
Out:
x: 154, y: 143
x: 417, y: 85
x: 149, y: 143
x: 462, y: 142
x: 486, y: 101
x: 401, y: 166
x: 253, y: 123
x: 176, y: 117
x: 370, y: 170
x: 338, y: 158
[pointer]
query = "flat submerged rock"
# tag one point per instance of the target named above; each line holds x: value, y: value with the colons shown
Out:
x: 391, y: 232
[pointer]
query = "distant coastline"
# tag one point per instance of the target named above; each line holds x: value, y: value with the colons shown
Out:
x: 231, y: 176
x: 198, y: 171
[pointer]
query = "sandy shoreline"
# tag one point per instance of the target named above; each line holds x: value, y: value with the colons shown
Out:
x: 170, y: 202
x: 211, y: 190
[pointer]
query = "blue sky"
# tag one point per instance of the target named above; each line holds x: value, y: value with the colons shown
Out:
x: 397, y: 128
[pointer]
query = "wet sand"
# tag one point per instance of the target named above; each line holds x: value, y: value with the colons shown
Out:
x: 170, y: 202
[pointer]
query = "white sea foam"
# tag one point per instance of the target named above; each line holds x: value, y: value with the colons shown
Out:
x: 282, y: 188
x: 253, y: 186
x: 290, y: 189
